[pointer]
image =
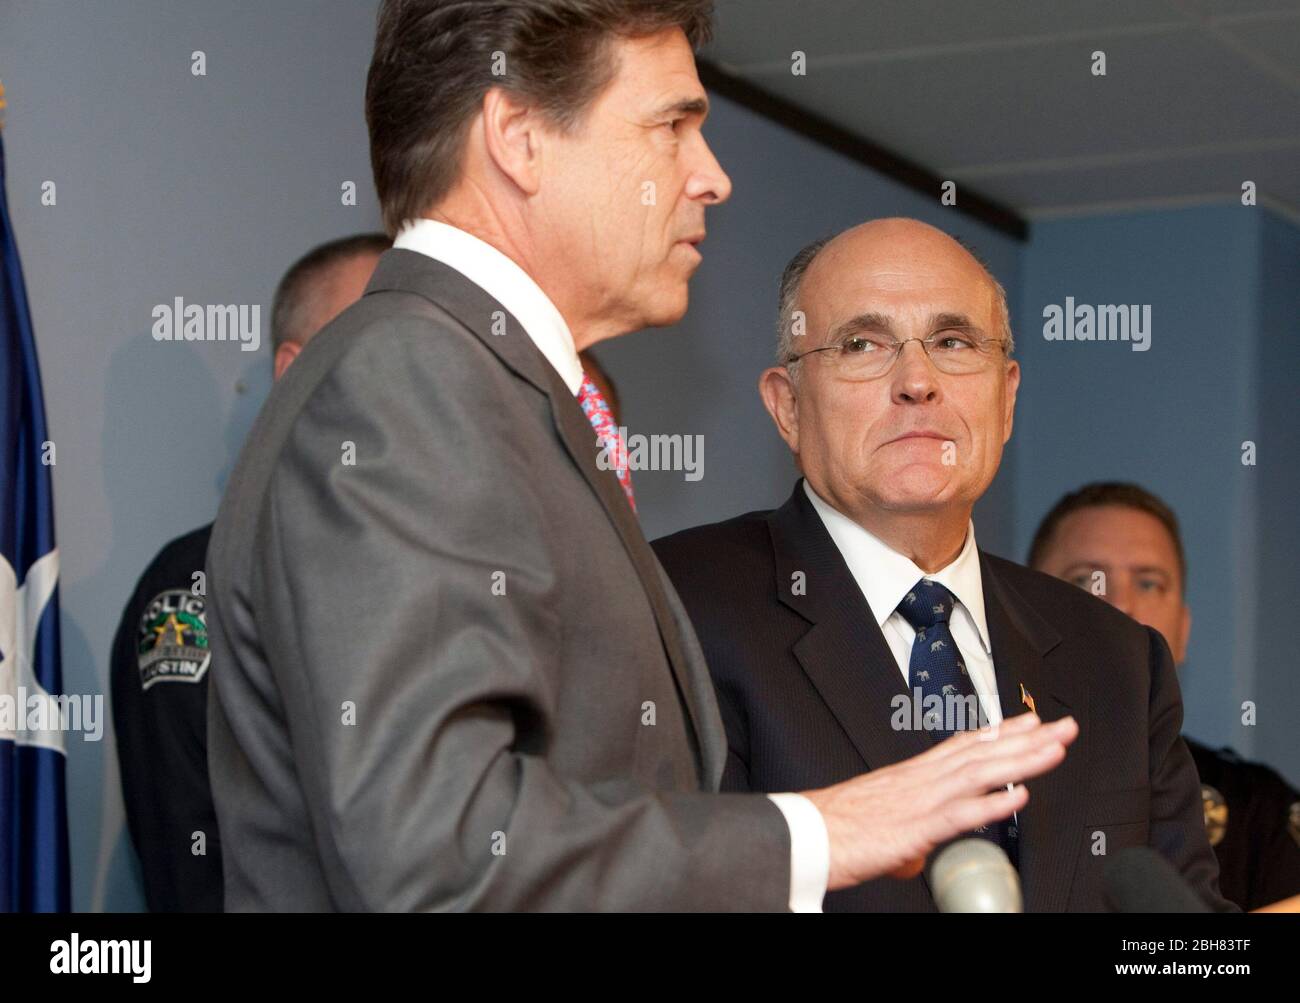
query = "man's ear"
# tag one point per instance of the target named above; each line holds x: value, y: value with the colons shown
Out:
x: 512, y: 138
x: 777, y: 390
x: 284, y: 356
x: 1013, y: 385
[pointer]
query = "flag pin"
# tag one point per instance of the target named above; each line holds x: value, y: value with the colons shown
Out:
x: 1027, y: 699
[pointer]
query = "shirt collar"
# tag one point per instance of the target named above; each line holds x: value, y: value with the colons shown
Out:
x: 885, y: 576
x: 502, y: 279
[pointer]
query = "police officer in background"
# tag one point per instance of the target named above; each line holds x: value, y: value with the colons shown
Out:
x: 1129, y: 536
x: 159, y: 667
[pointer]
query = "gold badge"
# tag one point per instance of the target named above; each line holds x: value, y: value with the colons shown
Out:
x: 1216, y: 814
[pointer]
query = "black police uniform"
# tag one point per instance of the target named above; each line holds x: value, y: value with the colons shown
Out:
x: 1252, y: 817
x: 159, y: 679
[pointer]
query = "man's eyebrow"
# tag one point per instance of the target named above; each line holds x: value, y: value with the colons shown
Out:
x: 1141, y: 569
x: 940, y: 321
x: 1085, y: 565
x: 685, y: 106
x: 876, y: 323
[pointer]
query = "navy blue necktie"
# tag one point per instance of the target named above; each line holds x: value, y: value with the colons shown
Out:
x: 936, y: 669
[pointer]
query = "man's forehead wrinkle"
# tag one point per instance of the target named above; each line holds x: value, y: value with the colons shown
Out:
x: 902, y: 295
x: 663, y: 89
x: 878, y: 257
x: 656, y: 89
x: 900, y: 246
x: 935, y: 270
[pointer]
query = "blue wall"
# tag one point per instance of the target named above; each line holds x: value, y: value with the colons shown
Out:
x: 1221, y: 369
x: 1277, y: 495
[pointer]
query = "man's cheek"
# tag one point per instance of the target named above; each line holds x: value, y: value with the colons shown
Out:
x: 636, y: 176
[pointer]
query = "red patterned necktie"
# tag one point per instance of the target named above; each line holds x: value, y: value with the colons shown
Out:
x: 596, y: 408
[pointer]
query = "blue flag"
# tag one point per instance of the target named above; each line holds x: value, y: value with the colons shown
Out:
x: 34, y: 870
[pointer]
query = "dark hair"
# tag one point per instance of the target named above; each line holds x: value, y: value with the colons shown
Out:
x: 292, y: 294
x: 435, y: 59
x: 1108, y: 493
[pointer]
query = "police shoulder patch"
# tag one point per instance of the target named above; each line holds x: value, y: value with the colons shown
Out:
x: 173, y: 639
x: 1216, y: 814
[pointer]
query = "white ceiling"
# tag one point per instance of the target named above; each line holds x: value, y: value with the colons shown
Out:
x: 1198, y: 97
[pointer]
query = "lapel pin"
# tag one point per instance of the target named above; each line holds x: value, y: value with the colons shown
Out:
x: 1027, y: 699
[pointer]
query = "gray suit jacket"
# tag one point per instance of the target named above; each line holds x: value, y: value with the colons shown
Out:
x: 450, y: 672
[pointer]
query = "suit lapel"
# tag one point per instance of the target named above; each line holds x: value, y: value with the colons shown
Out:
x: 846, y: 658
x: 844, y: 653
x: 1051, y: 824
x: 446, y: 288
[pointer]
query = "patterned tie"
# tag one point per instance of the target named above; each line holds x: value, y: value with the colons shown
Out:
x: 937, y: 670
x: 596, y: 408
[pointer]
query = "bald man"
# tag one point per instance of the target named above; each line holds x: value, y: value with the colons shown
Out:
x: 859, y: 625
x: 160, y: 658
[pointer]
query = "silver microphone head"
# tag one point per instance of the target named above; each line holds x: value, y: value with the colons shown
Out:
x: 974, y: 875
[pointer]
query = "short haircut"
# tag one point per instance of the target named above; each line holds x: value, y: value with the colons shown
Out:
x: 293, y: 295
x: 792, y: 279
x: 1097, y: 495
x: 434, y: 61
x: 787, y: 296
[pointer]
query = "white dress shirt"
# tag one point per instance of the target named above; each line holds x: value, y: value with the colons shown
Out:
x: 502, y: 279
x: 507, y: 283
x: 885, y: 577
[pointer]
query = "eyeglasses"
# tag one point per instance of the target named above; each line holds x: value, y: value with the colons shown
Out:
x: 956, y: 351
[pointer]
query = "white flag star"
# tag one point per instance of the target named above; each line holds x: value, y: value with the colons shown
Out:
x: 20, y: 613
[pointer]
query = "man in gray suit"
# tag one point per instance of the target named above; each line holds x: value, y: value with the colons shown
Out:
x: 455, y: 674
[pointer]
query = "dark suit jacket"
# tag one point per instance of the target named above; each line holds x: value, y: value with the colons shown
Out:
x: 452, y: 674
x: 805, y: 684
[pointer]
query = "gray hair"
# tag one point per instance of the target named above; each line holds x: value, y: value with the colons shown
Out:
x: 792, y: 279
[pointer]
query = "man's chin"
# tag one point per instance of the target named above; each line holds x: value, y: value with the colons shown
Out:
x: 912, y: 490
x: 903, y: 504
x: 668, y: 310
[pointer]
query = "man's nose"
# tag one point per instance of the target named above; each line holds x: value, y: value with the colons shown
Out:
x: 708, y: 182
x: 915, y: 378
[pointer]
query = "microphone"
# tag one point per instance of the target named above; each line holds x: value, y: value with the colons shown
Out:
x: 974, y: 875
x: 1139, y: 879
